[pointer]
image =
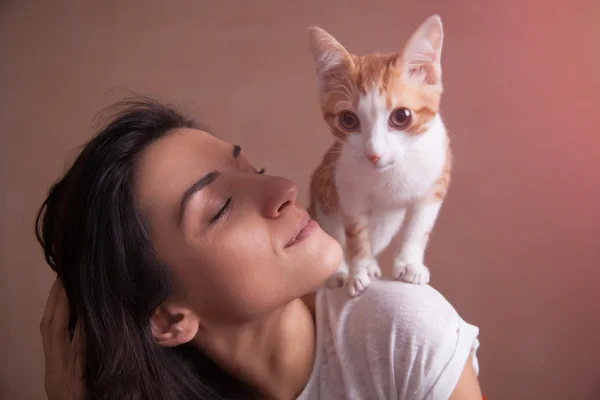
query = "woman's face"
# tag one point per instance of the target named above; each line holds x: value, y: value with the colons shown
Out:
x: 239, y: 245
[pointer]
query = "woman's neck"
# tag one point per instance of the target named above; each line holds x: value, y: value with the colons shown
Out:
x: 274, y: 355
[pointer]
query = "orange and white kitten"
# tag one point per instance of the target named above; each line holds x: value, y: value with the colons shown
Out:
x: 385, y: 177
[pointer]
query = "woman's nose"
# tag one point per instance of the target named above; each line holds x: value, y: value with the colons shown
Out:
x: 280, y: 194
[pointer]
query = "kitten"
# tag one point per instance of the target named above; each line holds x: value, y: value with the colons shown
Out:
x: 384, y: 179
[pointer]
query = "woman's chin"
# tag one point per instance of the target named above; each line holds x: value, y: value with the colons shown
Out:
x: 319, y: 257
x: 331, y: 257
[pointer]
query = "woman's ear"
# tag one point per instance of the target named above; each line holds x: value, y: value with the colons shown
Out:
x: 173, y: 325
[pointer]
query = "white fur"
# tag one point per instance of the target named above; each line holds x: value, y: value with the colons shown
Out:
x: 387, y: 197
x: 392, y: 198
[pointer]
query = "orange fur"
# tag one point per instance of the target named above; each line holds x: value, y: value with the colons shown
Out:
x: 443, y: 182
x: 383, y: 71
x: 357, y: 238
x: 411, y: 80
x: 322, y: 185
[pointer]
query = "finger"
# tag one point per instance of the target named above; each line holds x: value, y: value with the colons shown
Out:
x: 59, y: 337
x: 76, y: 361
x: 76, y: 351
x: 49, y: 308
x: 49, y: 312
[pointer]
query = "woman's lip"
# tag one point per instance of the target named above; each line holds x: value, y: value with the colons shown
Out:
x: 307, y: 227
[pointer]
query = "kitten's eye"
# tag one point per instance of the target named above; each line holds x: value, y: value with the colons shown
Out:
x: 348, y: 120
x: 400, y: 118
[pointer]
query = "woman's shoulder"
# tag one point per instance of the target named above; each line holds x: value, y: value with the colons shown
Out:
x: 398, y: 315
x: 391, y: 303
x: 400, y: 334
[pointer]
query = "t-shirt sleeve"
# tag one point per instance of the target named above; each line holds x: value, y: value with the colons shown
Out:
x: 429, y: 343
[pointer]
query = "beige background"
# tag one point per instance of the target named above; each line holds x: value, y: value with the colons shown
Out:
x: 516, y: 246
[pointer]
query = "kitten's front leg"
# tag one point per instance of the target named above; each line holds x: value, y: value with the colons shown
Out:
x: 410, y: 251
x: 362, y: 263
x: 339, y: 277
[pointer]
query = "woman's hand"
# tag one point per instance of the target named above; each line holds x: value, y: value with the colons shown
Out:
x: 64, y: 365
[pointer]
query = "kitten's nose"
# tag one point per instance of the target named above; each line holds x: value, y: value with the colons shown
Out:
x: 374, y: 158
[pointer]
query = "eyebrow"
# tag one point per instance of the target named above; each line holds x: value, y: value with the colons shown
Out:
x: 200, y: 184
x: 195, y: 188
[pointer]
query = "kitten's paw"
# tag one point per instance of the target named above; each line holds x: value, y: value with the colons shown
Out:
x: 363, y: 272
x: 337, y: 280
x: 358, y: 282
x: 411, y: 272
x: 373, y: 270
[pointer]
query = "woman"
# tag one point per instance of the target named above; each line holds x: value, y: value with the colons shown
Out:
x: 190, y: 274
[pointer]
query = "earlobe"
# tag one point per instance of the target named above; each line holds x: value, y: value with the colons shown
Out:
x: 173, y: 326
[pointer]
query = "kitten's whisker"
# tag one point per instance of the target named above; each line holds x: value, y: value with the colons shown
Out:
x: 450, y: 133
x: 342, y: 92
x: 328, y: 181
x: 347, y: 88
x: 350, y: 86
x: 323, y: 168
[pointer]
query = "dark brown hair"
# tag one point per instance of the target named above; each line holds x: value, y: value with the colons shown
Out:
x: 97, y: 241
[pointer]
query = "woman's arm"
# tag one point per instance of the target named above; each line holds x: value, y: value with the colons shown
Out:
x: 467, y: 387
x: 63, y: 378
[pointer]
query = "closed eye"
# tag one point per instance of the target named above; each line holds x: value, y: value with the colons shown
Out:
x: 227, y: 204
x: 222, y: 211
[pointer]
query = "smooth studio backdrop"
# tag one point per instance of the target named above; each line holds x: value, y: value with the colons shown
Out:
x: 516, y: 248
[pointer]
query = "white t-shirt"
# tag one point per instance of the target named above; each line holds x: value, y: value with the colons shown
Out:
x: 395, y: 341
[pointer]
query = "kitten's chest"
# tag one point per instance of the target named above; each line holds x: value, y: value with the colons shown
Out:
x: 408, y: 179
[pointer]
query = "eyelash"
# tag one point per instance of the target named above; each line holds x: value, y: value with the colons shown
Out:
x: 222, y: 211
x: 225, y: 207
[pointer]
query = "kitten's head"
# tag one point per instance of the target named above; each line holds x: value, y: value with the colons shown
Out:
x: 380, y: 104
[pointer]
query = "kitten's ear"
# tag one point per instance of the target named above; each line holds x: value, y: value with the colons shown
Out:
x: 423, y: 51
x: 331, y: 58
